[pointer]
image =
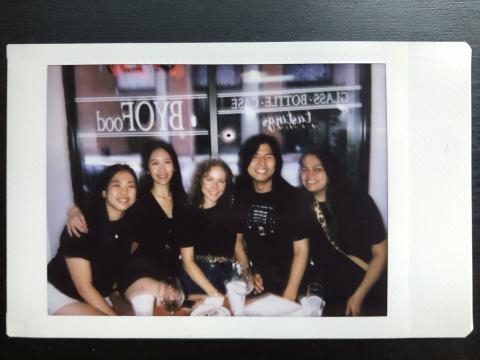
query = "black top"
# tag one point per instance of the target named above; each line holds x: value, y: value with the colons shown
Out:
x: 357, y: 231
x: 271, y: 222
x: 214, y: 232
x: 106, y: 247
x: 158, y: 235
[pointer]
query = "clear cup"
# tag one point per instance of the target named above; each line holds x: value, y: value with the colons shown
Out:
x: 171, y: 295
x: 313, y: 303
x: 236, y: 292
x: 143, y: 304
x: 242, y: 273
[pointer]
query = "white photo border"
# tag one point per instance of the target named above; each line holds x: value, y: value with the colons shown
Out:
x: 429, y: 190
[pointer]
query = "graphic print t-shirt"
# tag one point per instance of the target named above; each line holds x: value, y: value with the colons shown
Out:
x: 261, y: 218
x: 271, y: 222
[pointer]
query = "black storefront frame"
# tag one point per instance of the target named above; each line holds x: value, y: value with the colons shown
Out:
x: 76, y: 163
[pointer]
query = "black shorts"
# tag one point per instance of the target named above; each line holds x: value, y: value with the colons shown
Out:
x: 141, y: 267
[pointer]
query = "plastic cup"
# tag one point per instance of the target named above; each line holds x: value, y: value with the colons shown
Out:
x: 143, y: 304
x: 312, y: 305
x: 236, y: 292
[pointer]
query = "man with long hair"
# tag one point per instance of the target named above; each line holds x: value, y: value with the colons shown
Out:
x: 269, y: 218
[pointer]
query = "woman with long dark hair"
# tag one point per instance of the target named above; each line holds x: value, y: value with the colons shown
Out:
x: 348, y: 242
x: 82, y: 274
x: 161, y: 214
x: 208, y: 256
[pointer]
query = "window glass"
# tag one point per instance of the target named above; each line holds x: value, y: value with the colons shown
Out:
x: 301, y: 105
x: 114, y: 109
x: 119, y: 107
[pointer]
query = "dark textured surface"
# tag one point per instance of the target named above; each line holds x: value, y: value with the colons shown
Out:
x: 91, y: 21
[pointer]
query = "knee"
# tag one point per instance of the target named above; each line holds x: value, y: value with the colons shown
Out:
x: 142, y: 286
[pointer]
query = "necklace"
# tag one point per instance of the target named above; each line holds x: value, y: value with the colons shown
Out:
x: 168, y: 196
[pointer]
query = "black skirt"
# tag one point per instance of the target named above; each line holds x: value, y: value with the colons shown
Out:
x: 143, y: 267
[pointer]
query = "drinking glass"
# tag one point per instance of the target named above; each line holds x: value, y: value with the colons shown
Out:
x: 315, y: 289
x: 238, y: 286
x: 242, y: 273
x: 312, y: 302
x: 171, y: 295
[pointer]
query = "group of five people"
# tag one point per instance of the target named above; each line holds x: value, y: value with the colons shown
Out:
x: 285, y: 237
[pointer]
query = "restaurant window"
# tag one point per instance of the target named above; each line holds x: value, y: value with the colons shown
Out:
x: 302, y: 106
x: 210, y: 110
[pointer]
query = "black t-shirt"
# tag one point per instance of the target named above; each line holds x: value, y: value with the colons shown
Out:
x: 106, y: 247
x: 359, y: 229
x: 214, y: 232
x: 356, y: 231
x: 271, y: 222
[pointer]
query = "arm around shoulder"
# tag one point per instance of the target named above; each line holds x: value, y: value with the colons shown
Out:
x: 76, y: 222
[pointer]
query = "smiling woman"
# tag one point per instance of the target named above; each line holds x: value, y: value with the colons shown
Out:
x: 120, y: 194
x: 208, y: 256
x: 82, y: 274
x: 160, y: 213
x: 348, y: 241
x: 160, y: 167
x: 314, y: 177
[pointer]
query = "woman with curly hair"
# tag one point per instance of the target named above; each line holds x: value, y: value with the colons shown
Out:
x: 207, y: 257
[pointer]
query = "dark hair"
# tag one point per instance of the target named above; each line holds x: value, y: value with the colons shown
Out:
x: 95, y: 210
x: 338, y: 194
x: 248, y: 150
x: 109, y: 172
x: 176, y: 183
x: 196, y: 195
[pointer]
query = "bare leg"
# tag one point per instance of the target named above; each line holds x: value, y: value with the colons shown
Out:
x: 78, y: 308
x: 143, y: 286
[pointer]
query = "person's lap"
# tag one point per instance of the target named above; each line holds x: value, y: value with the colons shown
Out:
x: 216, y: 273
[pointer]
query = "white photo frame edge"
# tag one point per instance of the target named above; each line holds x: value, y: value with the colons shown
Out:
x: 428, y: 87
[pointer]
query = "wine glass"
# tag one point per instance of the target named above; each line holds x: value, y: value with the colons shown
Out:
x: 171, y: 295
